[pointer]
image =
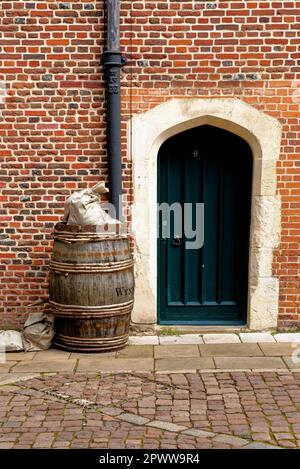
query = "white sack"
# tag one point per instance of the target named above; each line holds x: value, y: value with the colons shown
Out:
x: 38, y: 332
x: 84, y: 208
x: 10, y: 341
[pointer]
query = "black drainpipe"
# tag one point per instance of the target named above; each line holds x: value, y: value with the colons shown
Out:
x: 112, y: 62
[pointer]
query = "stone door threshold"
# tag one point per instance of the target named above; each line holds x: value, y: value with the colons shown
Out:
x: 215, y: 338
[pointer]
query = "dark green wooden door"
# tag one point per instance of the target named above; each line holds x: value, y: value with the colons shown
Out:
x: 207, y: 285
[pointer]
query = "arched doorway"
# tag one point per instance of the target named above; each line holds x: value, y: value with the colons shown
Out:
x: 203, y: 284
x: 146, y: 133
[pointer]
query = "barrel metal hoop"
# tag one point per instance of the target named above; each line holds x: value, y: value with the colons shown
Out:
x: 76, y: 311
x: 95, y: 340
x: 91, y: 308
x: 92, y: 315
x: 86, y: 344
x: 68, y: 238
x: 106, y: 267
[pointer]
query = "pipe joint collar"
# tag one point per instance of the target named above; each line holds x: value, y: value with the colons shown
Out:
x: 113, y: 59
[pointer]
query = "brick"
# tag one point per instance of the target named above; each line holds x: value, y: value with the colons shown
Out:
x: 25, y: 198
x: 20, y: 20
x: 34, y: 56
x: 47, y: 77
x: 48, y: 126
x: 71, y: 84
x: 179, y: 50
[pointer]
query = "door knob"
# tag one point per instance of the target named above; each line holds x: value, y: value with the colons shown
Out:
x: 176, y: 242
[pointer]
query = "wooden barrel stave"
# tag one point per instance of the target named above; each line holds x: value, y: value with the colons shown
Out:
x: 94, y: 251
x: 92, y: 289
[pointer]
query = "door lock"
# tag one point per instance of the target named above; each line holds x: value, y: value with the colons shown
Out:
x: 176, y: 242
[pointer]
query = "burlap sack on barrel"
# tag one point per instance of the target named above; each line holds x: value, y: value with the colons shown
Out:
x: 84, y: 208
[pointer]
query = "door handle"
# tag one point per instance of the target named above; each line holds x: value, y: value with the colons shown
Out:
x: 176, y: 242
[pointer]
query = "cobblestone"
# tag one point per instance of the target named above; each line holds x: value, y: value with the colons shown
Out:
x: 147, y: 410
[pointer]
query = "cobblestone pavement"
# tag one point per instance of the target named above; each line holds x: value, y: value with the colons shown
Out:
x: 147, y: 410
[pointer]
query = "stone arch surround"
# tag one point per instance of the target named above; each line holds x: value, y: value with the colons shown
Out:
x: 146, y: 133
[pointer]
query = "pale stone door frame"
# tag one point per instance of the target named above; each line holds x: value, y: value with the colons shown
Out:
x: 147, y: 132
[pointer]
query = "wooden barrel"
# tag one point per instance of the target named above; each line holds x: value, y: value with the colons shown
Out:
x: 91, y: 288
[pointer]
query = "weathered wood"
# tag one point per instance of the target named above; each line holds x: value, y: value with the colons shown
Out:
x: 91, y: 289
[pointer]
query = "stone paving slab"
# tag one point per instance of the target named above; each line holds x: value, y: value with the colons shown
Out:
x: 221, y: 338
x: 200, y: 433
x: 112, y: 364
x: 230, y: 350
x: 45, y: 366
x: 210, y: 337
x: 288, y: 337
x: 170, y: 427
x: 231, y: 440
x: 51, y: 355
x: 137, y: 351
x: 6, y: 367
x: 184, y: 339
x: 131, y: 418
x: 249, y: 363
x: 293, y: 363
x: 260, y: 446
x: 143, y: 340
x: 162, y: 358
x: 256, y: 337
x: 19, y: 356
x: 183, y: 364
x: 176, y: 351
x: 9, y: 378
x: 278, y: 349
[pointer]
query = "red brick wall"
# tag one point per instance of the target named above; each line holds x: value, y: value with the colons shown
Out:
x: 52, y: 134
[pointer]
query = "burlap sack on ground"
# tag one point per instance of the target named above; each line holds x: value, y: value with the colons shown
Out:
x: 38, y: 332
x: 11, y: 341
